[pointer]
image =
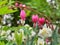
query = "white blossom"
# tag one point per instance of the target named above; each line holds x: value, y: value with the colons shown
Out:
x: 9, y: 25
x: 45, y: 26
x: 53, y: 2
x: 40, y: 41
x: 7, y: 16
x: 30, y: 28
x: 3, y: 21
x: 49, y: 43
x: 24, y: 5
x: 24, y: 38
x: 21, y: 30
x: 13, y: 35
x: 33, y: 33
x: 8, y: 32
x: 18, y: 22
x: 22, y: 22
x: 26, y: 25
x: 45, y: 32
x: 3, y: 33
x: 10, y: 38
x: 48, y: 0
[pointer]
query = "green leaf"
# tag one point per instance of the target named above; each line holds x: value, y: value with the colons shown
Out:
x: 18, y: 38
x: 9, y: 43
x: 6, y: 10
x: 11, y: 2
x: 54, y: 37
x: 2, y: 43
x: 3, y: 2
x: 28, y: 13
x: 5, y: 28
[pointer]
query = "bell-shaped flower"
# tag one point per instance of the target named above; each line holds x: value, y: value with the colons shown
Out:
x: 41, y: 21
x: 23, y: 15
x: 34, y: 18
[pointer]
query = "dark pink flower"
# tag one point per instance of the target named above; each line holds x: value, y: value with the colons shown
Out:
x: 34, y: 18
x: 41, y: 21
x: 23, y: 15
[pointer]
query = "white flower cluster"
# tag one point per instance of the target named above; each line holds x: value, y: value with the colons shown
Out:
x: 42, y: 34
x: 7, y: 19
x: 7, y: 35
x: 40, y: 41
x: 53, y: 3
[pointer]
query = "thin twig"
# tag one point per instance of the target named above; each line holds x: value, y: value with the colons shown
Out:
x: 39, y: 13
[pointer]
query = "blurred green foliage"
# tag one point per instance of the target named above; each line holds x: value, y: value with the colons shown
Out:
x: 4, y: 7
x: 2, y: 43
x: 41, y: 6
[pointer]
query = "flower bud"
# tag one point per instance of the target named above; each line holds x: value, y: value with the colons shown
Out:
x: 20, y: 5
x: 16, y: 4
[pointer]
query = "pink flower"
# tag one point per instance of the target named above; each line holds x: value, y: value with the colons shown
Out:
x: 41, y: 21
x: 34, y: 18
x: 20, y: 5
x: 23, y: 15
x: 16, y: 4
x: 47, y: 40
